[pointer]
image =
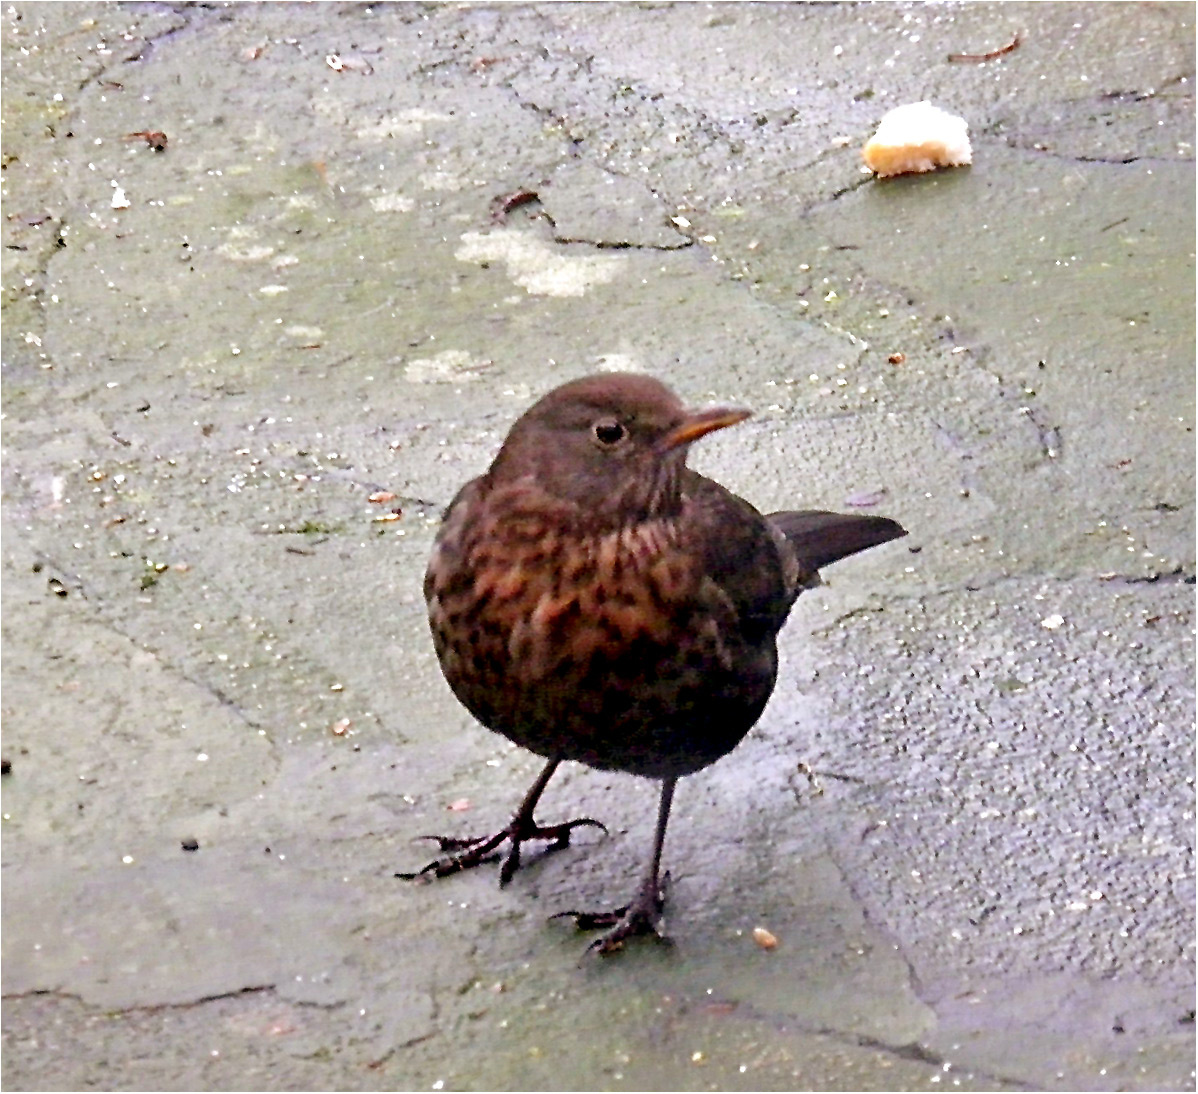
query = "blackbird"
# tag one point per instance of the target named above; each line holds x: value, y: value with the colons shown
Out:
x: 593, y: 599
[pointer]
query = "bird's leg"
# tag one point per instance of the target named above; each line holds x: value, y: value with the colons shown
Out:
x: 466, y: 853
x: 643, y: 915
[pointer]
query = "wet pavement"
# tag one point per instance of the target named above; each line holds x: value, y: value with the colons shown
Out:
x: 967, y: 814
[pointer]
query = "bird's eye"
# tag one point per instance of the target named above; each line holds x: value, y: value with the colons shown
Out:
x: 609, y: 432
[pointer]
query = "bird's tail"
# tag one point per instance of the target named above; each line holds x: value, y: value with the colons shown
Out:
x: 821, y: 538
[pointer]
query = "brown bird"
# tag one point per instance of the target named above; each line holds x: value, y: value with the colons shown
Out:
x: 593, y: 599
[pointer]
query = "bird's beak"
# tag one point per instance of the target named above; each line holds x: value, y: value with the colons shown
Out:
x: 702, y: 422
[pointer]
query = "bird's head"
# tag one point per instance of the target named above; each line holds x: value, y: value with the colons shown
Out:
x: 614, y: 444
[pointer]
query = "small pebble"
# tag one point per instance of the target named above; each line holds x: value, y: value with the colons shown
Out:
x: 190, y: 844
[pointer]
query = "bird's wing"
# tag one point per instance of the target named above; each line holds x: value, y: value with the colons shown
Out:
x: 821, y: 538
x: 745, y: 555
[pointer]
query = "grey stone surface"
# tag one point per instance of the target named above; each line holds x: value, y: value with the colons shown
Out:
x: 967, y: 814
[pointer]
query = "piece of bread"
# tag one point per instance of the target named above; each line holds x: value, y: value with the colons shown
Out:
x: 918, y: 137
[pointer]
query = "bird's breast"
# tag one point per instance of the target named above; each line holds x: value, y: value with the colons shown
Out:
x: 562, y: 597
x: 602, y: 593
x: 517, y: 593
x: 614, y: 647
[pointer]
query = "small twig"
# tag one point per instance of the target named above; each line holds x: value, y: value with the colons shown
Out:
x: 154, y: 138
x: 505, y: 203
x: 1011, y: 45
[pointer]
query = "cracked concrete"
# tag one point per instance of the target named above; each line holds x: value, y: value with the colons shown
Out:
x: 967, y: 814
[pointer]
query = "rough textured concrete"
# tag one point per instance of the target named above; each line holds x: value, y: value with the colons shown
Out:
x: 967, y: 814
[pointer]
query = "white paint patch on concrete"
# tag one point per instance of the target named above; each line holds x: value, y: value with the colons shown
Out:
x: 392, y: 203
x: 537, y: 266
x: 451, y: 366
x: 249, y: 252
x: 617, y: 362
x: 406, y: 123
x: 300, y: 330
x: 240, y: 246
x: 443, y: 180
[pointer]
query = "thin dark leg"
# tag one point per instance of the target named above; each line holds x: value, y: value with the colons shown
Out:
x: 524, y: 827
x: 659, y: 837
x: 467, y: 853
x: 643, y: 915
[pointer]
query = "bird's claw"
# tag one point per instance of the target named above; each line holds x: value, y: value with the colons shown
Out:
x: 559, y: 833
x: 454, y: 843
x: 464, y: 854
x: 592, y: 921
x: 632, y: 923
x: 471, y: 852
x: 642, y: 916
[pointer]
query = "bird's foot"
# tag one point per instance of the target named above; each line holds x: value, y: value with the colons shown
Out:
x: 642, y: 916
x: 463, y: 854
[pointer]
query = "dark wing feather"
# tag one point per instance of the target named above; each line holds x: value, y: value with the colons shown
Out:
x: 821, y: 538
x: 745, y: 555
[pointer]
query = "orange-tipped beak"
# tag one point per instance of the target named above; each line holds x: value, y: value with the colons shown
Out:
x: 703, y: 422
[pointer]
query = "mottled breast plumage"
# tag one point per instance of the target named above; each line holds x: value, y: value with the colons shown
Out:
x: 549, y: 631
